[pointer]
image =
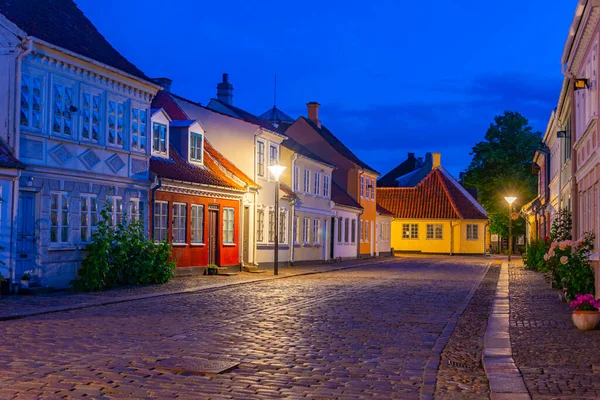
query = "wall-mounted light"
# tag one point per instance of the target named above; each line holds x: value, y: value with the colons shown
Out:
x: 580, y: 84
x: 561, y: 134
x: 30, y: 181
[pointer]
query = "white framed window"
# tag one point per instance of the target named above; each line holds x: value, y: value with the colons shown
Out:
x: 361, y: 230
x: 372, y: 189
x: 353, y: 232
x: 326, y: 186
x: 296, y: 178
x: 366, y: 231
x: 260, y: 158
x: 197, y: 224
x: 32, y: 101
x: 179, y: 222
x: 159, y: 138
x: 161, y: 220
x: 271, y: 224
x: 472, y: 232
x: 410, y: 231
x: 317, y: 187
x: 139, y: 120
x: 91, y: 113
x: 306, y: 180
x: 296, y: 232
x: 115, y: 210
x: 346, y: 229
x: 306, y: 230
x: 273, y: 157
x: 136, y: 209
x: 88, y: 216
x: 59, y: 217
x: 116, y: 122
x: 228, y: 225
x: 196, y: 146
x: 315, y: 231
x: 62, y: 105
x: 434, y: 231
x: 282, y: 225
x: 340, y: 229
x: 362, y: 186
x: 260, y: 226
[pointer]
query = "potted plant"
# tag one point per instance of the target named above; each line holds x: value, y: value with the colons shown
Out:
x: 585, y: 311
x: 212, y: 269
x: 25, y: 278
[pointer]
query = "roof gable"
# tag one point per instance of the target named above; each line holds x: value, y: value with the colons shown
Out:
x: 63, y: 24
x: 341, y: 197
x: 7, y: 159
x: 244, y: 115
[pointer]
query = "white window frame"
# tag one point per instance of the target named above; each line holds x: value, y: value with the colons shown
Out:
x: 434, y: 232
x: 283, y: 216
x: 260, y: 225
x: 59, y: 225
x: 117, y: 100
x: 296, y: 178
x: 92, y: 92
x: 139, y: 133
x: 367, y: 231
x: 228, y: 225
x: 362, y: 187
x: 197, y: 224
x: 156, y: 151
x: 353, y: 232
x: 372, y: 189
x: 29, y: 114
x: 136, y: 209
x: 316, y: 231
x: 271, y: 225
x: 194, y: 136
x: 161, y: 230
x: 177, y: 229
x: 340, y: 233
x: 87, y: 221
x: 410, y: 231
x: 296, y: 228
x: 306, y: 181
x: 317, y: 183
x: 306, y: 230
x: 346, y: 230
x: 65, y: 83
x: 116, y: 213
x: 326, y: 186
x: 260, y: 164
x: 472, y: 232
x: 273, y: 161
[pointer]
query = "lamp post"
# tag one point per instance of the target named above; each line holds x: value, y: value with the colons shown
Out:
x: 276, y: 171
x: 510, y: 200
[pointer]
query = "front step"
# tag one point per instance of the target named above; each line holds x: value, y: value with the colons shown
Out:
x: 223, y: 271
x: 253, y: 269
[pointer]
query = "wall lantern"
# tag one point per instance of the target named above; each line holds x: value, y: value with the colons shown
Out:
x: 580, y: 84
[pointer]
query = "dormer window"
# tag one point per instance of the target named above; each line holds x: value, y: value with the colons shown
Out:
x: 196, y: 147
x: 159, y: 138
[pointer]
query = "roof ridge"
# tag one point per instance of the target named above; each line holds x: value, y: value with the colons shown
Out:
x: 441, y: 181
x: 464, y: 191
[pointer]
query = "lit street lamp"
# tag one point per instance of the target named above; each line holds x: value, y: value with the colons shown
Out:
x: 510, y: 200
x: 276, y: 171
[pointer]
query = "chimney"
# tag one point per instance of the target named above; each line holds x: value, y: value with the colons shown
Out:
x: 225, y: 90
x: 164, y: 82
x: 313, y: 112
x: 411, y: 156
x: 436, y: 160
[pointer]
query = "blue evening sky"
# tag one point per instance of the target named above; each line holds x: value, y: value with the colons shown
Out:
x: 392, y: 76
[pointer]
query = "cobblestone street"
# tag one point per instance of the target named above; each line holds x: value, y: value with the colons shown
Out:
x: 364, y: 332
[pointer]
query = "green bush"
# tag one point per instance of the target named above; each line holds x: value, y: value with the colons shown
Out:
x: 123, y: 255
x: 533, y: 258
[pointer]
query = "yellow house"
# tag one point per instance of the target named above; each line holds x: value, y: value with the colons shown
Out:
x: 436, y: 216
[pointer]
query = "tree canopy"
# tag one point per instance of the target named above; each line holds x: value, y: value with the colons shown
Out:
x: 501, y: 166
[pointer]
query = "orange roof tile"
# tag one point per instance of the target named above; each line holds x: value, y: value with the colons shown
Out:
x: 228, y: 165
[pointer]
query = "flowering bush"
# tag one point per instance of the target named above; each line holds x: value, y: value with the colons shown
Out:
x: 533, y: 258
x: 585, y: 302
x: 568, y: 261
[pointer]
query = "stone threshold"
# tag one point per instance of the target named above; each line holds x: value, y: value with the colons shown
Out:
x: 506, y: 381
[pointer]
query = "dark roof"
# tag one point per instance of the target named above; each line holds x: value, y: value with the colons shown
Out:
x: 338, y: 145
x: 438, y: 196
x: 7, y: 159
x: 177, y: 168
x: 63, y: 24
x: 300, y: 149
x: 383, y: 211
x: 275, y: 115
x: 406, y: 166
x: 246, y: 116
x: 343, y: 198
x: 163, y: 100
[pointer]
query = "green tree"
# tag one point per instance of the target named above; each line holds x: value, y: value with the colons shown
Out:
x: 501, y: 166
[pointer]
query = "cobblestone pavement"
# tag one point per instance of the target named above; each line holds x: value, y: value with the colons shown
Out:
x: 461, y: 374
x: 16, y: 305
x: 364, y: 332
x: 557, y: 360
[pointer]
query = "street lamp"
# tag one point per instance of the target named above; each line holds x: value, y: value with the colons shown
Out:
x: 276, y: 171
x: 510, y: 200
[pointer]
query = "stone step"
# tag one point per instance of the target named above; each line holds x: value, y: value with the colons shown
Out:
x: 253, y: 269
x: 189, y: 271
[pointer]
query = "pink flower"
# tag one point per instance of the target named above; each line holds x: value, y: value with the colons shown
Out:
x: 564, y: 260
x: 546, y: 257
x: 551, y: 252
x: 562, y: 245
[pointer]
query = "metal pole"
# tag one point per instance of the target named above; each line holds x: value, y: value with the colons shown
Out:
x: 276, y: 227
x: 509, y: 233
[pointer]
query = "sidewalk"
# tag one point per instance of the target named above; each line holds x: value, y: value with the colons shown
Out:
x: 20, y: 306
x: 556, y: 360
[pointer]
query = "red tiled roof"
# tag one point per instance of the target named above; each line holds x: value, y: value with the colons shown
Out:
x: 437, y: 196
x: 63, y: 24
x: 7, y: 159
x: 228, y: 165
x: 165, y: 101
x: 287, y: 190
x: 343, y: 198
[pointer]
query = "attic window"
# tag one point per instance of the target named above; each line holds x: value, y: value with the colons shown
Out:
x: 159, y: 138
x: 195, y: 147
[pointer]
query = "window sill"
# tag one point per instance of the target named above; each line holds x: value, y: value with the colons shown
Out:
x: 179, y: 244
x: 229, y: 244
x: 61, y: 248
x: 197, y: 244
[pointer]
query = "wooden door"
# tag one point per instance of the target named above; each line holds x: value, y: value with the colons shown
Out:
x: 246, y: 240
x: 26, y: 235
x: 213, y: 236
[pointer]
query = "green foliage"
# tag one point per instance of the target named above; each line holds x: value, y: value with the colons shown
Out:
x: 562, y: 226
x: 123, y: 255
x: 533, y: 258
x: 501, y: 166
x: 212, y: 266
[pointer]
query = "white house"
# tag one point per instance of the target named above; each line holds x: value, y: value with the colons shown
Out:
x: 347, y: 212
x: 82, y: 129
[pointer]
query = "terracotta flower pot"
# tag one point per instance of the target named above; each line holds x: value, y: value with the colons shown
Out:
x: 586, y: 320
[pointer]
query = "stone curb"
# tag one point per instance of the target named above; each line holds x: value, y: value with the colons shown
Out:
x: 126, y: 299
x: 506, y: 381
x: 433, y: 364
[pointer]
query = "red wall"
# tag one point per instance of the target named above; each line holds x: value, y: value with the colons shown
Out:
x: 189, y: 255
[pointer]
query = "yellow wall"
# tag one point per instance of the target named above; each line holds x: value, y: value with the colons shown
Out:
x: 460, y: 244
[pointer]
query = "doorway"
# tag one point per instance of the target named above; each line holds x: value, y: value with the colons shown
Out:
x: 213, y: 236
x: 26, y: 235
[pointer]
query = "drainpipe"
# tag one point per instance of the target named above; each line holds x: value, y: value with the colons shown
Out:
x: 451, y: 236
x: 485, y: 229
x: 358, y: 226
x: 291, y: 230
x: 153, y: 192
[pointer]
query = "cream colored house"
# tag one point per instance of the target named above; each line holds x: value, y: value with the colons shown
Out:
x: 384, y: 231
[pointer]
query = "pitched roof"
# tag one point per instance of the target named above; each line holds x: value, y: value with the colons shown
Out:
x: 7, y: 159
x: 245, y: 116
x: 389, y: 180
x: 383, y: 211
x: 177, y: 168
x: 338, y: 145
x: 63, y: 24
x: 287, y: 190
x: 165, y: 101
x: 343, y: 198
x: 275, y: 115
x: 437, y: 196
x: 228, y: 165
x: 291, y: 144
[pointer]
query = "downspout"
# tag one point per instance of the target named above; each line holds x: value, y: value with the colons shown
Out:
x: 153, y: 192
x: 293, y: 213
x: 485, y: 230
x: 451, y: 237
x: 358, y: 236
